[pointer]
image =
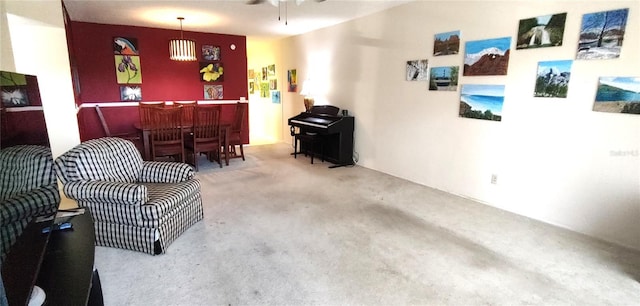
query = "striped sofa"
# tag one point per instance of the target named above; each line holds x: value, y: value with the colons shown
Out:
x: 135, y: 204
x: 28, y: 188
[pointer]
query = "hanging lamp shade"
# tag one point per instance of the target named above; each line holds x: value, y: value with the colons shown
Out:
x: 182, y: 49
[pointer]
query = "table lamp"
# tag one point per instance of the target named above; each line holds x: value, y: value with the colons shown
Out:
x: 307, y: 92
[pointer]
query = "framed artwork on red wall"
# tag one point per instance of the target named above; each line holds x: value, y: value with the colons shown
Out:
x: 211, y: 53
x: 128, y: 69
x: 125, y: 46
x: 211, y: 72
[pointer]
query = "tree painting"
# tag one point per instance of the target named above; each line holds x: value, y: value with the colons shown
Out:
x: 602, y: 34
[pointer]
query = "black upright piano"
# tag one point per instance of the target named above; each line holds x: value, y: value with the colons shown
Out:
x: 338, y: 132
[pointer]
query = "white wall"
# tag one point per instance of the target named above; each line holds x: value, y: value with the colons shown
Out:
x: 556, y: 159
x: 34, y: 42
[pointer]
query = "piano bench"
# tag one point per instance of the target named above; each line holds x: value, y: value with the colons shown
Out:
x: 311, y: 140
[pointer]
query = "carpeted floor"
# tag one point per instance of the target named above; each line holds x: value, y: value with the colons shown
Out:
x: 280, y: 231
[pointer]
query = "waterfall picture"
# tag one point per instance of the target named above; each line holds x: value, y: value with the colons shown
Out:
x: 444, y: 78
x: 601, y: 34
x: 487, y: 57
x: 481, y: 101
x: 618, y: 95
x: 542, y: 31
x: 552, y: 80
x: 446, y: 43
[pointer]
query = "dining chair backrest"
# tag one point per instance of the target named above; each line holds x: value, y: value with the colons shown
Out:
x: 145, y: 114
x: 166, y: 124
x: 206, y: 122
x: 239, y: 117
x: 188, y: 108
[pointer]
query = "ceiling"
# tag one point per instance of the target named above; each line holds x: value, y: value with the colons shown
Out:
x: 236, y: 17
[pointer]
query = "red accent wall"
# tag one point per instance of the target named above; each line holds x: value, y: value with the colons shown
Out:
x: 162, y: 78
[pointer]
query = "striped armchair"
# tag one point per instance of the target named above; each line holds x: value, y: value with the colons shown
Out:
x: 135, y: 204
x: 28, y: 188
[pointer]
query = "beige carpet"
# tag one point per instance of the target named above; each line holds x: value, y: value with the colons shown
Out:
x: 280, y: 231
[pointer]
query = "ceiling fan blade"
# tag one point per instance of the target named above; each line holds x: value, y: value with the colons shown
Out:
x: 253, y: 2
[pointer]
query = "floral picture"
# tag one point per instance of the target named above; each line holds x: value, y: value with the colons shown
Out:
x: 417, y: 70
x: 251, y: 74
x: 275, y: 96
x: 271, y: 70
x: 542, y: 31
x: 211, y: 72
x: 210, y: 53
x: 444, y: 78
x: 601, y: 34
x: 618, y: 95
x: 128, y: 69
x: 446, y: 43
x: 252, y: 87
x: 130, y: 93
x: 487, y: 57
x: 552, y: 79
x: 213, y: 92
x: 292, y: 79
x: 273, y: 84
x: 264, y: 73
x: 481, y: 101
x: 125, y: 46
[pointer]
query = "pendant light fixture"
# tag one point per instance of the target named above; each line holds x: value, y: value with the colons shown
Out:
x: 182, y: 49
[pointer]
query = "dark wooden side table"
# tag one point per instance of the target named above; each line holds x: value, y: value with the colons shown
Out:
x: 66, y: 273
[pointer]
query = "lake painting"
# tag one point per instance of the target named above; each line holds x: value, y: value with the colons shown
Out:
x: 618, y: 95
x: 481, y: 101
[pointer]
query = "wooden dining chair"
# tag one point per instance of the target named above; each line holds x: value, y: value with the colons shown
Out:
x: 206, y: 135
x: 237, y: 129
x: 145, y: 114
x: 188, y: 108
x: 166, y: 133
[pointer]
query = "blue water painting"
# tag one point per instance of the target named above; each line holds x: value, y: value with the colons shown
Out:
x: 625, y: 89
x: 618, y: 95
x: 482, y: 101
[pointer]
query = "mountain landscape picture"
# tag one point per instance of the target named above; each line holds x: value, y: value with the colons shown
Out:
x: 618, y: 95
x: 481, y: 101
x: 487, y: 57
x: 552, y: 80
x: 601, y: 34
x: 446, y: 43
x: 542, y: 31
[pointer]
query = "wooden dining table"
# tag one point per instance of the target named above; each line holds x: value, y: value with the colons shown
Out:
x: 146, y: 139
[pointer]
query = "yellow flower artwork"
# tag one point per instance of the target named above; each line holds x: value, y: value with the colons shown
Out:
x: 211, y: 72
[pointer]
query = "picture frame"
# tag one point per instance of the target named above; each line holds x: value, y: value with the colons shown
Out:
x: 211, y: 53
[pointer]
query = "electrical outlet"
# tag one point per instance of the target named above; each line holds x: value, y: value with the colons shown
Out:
x: 494, y: 179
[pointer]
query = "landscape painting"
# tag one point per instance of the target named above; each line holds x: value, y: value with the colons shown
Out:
x: 552, y: 79
x: 601, y: 34
x: 487, y: 57
x: 446, y: 43
x: 417, y: 70
x: 481, y: 101
x: 444, y: 78
x: 618, y: 95
x: 542, y: 31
